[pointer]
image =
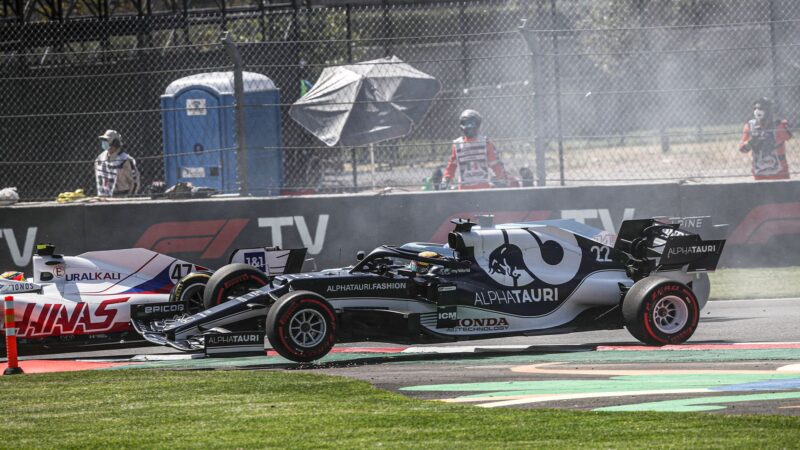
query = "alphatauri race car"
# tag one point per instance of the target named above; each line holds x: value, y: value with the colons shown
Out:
x: 488, y: 281
x: 86, y: 299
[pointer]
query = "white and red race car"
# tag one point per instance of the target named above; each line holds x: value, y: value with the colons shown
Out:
x: 86, y: 299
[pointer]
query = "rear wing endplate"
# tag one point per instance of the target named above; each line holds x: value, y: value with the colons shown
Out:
x: 271, y: 260
x: 693, y: 251
x: 670, y: 243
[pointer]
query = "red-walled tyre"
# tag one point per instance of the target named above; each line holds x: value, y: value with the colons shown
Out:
x: 660, y: 311
x: 232, y: 281
x: 301, y: 326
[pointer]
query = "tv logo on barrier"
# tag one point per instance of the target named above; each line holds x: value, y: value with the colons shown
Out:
x: 275, y: 225
x: 20, y: 256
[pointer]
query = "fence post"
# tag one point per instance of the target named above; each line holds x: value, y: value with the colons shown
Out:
x: 353, y: 156
x: 557, y: 80
x: 11, y: 338
x: 537, y: 76
x: 238, y: 95
x: 773, y: 53
x: 463, y: 31
x: 388, y: 28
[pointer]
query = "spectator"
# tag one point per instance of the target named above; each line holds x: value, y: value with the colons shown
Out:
x: 765, y: 137
x: 473, y: 156
x: 526, y: 174
x: 115, y: 170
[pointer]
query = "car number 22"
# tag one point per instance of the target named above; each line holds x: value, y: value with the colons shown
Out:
x: 601, y: 254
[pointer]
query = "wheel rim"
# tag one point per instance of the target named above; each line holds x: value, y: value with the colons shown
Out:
x: 307, y: 328
x: 670, y: 314
x: 193, y: 295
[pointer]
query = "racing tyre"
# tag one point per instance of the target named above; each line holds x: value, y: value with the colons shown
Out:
x: 660, y: 311
x: 232, y: 281
x: 190, y: 289
x: 301, y: 326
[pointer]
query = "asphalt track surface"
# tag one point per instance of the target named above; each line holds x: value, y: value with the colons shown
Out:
x: 744, y: 358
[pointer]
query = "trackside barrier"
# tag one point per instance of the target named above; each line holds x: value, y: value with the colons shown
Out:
x: 763, y: 222
x: 11, y: 338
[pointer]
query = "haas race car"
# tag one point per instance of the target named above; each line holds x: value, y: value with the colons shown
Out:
x: 86, y: 299
x: 488, y: 281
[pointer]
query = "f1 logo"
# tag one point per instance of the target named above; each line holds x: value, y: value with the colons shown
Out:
x: 766, y: 222
x: 211, y: 237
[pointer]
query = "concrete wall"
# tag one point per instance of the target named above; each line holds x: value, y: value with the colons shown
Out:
x: 764, y: 220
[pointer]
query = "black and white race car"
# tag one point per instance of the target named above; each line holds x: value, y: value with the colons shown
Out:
x: 489, y: 280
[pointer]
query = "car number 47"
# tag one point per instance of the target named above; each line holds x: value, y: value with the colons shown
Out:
x: 179, y: 271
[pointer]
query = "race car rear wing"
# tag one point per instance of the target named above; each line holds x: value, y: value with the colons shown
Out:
x: 649, y: 245
x: 271, y: 260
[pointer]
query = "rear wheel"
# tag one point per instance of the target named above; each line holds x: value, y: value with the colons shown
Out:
x: 231, y: 281
x: 301, y: 326
x: 190, y: 289
x: 660, y: 311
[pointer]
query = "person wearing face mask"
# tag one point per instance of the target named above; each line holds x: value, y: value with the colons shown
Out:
x: 114, y: 170
x: 765, y: 137
x: 473, y: 158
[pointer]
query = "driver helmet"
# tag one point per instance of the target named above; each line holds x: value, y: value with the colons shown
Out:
x: 423, y: 266
x: 12, y: 275
x: 470, y: 122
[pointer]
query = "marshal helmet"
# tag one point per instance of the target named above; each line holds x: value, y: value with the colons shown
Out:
x: 470, y: 122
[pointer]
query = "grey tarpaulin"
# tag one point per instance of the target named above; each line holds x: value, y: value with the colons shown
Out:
x: 365, y: 103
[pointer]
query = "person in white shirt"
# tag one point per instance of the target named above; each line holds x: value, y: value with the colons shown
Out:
x: 115, y: 171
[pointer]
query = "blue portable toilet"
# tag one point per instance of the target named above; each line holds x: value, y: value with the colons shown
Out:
x: 199, y: 130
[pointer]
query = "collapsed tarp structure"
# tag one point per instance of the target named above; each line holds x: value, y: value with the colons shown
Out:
x: 365, y: 103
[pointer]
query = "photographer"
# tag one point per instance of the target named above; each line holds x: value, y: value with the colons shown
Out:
x: 764, y: 137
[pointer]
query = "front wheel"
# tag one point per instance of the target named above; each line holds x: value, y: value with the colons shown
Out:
x: 231, y: 281
x: 190, y: 289
x: 301, y: 326
x: 660, y: 311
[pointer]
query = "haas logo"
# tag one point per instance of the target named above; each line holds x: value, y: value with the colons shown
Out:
x: 517, y: 258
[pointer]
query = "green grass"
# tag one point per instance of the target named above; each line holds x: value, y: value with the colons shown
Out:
x: 777, y: 282
x: 247, y: 409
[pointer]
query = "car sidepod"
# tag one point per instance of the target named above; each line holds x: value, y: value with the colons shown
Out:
x: 527, y: 279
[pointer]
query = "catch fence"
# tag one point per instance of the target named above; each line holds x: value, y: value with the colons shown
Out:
x: 578, y: 92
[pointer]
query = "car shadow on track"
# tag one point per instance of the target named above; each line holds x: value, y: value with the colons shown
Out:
x: 378, y: 359
x: 478, y: 355
x: 722, y: 319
